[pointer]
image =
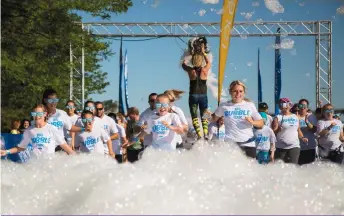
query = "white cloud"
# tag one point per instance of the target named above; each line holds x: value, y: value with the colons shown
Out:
x: 340, y: 10
x: 210, y: 1
x: 201, y: 12
x: 274, y: 6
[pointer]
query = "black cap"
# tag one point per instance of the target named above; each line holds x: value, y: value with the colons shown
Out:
x: 263, y: 106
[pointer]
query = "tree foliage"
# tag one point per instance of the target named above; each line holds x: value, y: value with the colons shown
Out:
x: 36, y: 38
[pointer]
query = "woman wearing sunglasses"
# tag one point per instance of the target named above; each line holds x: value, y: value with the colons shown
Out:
x: 331, y: 135
x: 308, y: 123
x: 174, y: 95
x: 240, y: 116
x: 164, y: 125
x: 288, y: 133
x: 92, y: 139
x: 42, y: 138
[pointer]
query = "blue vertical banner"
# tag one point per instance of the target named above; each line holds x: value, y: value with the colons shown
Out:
x: 126, y: 79
x: 260, y: 91
x: 121, y: 67
x: 278, y: 72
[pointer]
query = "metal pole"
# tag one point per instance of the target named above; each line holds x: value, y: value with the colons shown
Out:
x: 71, y: 72
x: 317, y: 63
x: 330, y: 63
x: 82, y: 73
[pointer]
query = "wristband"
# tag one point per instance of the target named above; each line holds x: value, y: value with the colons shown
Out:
x: 82, y: 129
x: 8, y: 152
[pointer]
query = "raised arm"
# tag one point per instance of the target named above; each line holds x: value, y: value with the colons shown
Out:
x: 186, y: 67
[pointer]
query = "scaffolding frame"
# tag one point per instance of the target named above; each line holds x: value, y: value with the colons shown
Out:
x: 321, y: 30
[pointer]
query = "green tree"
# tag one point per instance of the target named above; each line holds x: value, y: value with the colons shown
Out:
x: 36, y: 35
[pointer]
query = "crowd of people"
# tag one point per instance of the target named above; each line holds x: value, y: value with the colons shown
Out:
x: 296, y: 135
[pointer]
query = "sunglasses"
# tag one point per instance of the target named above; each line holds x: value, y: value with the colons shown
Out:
x: 159, y: 105
x: 92, y: 108
x: 87, y: 120
x: 70, y: 107
x: 303, y: 106
x: 284, y: 105
x: 329, y: 111
x: 79, y: 111
x: 39, y: 114
x: 53, y: 100
x: 100, y: 109
x: 151, y: 101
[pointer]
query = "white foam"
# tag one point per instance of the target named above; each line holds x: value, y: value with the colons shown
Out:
x: 286, y: 43
x: 255, y: 4
x: 274, y: 6
x: 208, y: 179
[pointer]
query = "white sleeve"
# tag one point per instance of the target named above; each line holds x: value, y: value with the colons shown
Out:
x: 176, y: 120
x: 182, y: 117
x: 59, y: 140
x: 79, y: 123
x: 220, y: 111
x: 320, y: 126
x: 255, y: 114
x: 104, y: 135
x: 112, y: 125
x: 26, y: 140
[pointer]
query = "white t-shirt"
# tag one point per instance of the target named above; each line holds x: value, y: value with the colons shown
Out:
x: 73, y: 119
x: 92, y: 141
x: 215, y: 134
x: 183, y: 120
x: 236, y: 127
x: 288, y: 136
x: 163, y: 137
x: 117, y: 143
x: 331, y: 139
x: 61, y: 121
x: 308, y: 134
x: 143, y: 120
x: 264, y: 138
x: 109, y: 125
x: 41, y: 140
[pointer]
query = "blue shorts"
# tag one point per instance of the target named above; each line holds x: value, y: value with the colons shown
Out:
x: 263, y: 157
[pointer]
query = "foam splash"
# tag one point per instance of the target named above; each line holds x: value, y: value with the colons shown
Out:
x: 274, y: 6
x: 247, y: 15
x: 209, y: 179
x: 340, y: 10
x: 201, y: 12
x: 286, y: 43
x: 255, y: 4
x: 210, y: 1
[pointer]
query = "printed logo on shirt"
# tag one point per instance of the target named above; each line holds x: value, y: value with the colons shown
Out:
x: 290, y: 121
x: 55, y: 121
x: 39, y: 141
x: 219, y: 135
x: 106, y: 127
x: 335, y: 129
x: 237, y: 113
x: 90, y: 142
x: 261, y: 139
x: 159, y: 128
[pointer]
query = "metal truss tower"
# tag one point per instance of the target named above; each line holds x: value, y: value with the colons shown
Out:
x: 321, y: 30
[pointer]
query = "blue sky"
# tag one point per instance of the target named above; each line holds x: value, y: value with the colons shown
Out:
x: 153, y: 66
